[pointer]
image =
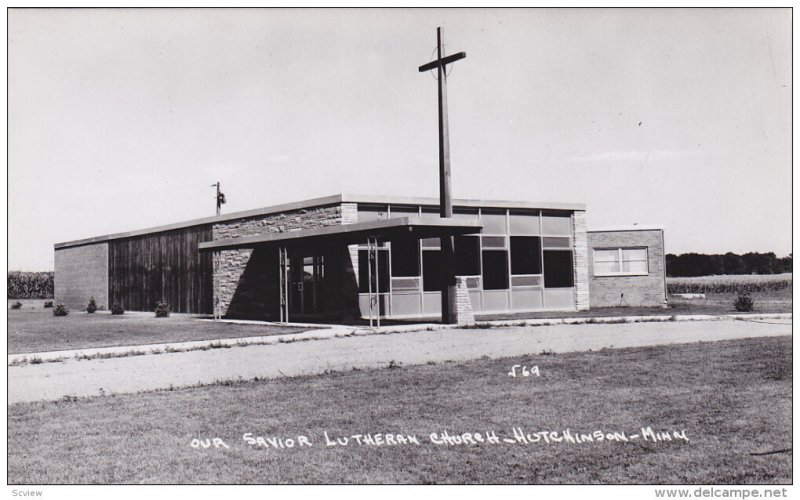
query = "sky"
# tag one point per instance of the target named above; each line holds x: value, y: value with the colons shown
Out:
x: 122, y: 119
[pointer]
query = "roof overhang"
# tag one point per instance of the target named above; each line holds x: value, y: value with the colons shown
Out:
x: 352, y: 233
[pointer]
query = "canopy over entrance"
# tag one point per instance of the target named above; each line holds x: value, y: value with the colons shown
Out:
x: 351, y: 233
x: 345, y: 234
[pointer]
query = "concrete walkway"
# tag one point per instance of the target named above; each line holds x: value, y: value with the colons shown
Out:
x: 50, y: 381
x: 324, y: 332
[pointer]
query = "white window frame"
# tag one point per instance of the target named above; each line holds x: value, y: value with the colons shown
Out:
x: 620, y: 261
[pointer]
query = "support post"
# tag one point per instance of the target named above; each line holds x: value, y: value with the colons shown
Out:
x: 283, y: 285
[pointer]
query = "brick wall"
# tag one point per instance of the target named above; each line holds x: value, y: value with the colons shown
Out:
x: 610, y: 291
x: 81, y: 273
x: 581, y: 253
x: 243, y: 280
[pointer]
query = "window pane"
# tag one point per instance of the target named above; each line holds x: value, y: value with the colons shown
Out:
x: 495, y: 270
x: 465, y: 213
x: 405, y: 257
x: 526, y: 281
x: 634, y: 254
x: 404, y: 212
x: 372, y: 212
x: 556, y: 225
x: 474, y: 282
x: 636, y: 266
x: 606, y: 255
x: 494, y: 242
x: 405, y: 284
x: 468, y: 255
x: 493, y: 222
x: 556, y: 242
x: 364, y: 272
x: 431, y: 243
x: 526, y: 255
x: 430, y: 213
x: 527, y: 224
x: 558, y: 270
x: 606, y: 267
x: 432, y: 271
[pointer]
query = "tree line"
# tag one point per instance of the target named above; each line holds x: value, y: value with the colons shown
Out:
x: 698, y: 264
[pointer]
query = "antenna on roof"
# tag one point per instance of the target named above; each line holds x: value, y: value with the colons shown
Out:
x: 220, y: 197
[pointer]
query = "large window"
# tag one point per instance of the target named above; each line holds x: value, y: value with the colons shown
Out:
x: 468, y: 255
x: 526, y: 255
x: 558, y: 270
x: 495, y: 269
x: 620, y: 261
x: 364, y: 272
x: 432, y: 272
x: 405, y: 257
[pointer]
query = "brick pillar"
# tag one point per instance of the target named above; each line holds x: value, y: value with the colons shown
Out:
x: 464, y: 314
x: 581, y: 253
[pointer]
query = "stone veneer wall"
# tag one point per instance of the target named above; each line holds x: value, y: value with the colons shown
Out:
x: 581, y: 256
x: 464, y: 312
x: 611, y: 291
x: 253, y: 291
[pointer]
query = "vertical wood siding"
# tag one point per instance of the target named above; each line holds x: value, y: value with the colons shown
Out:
x: 145, y: 269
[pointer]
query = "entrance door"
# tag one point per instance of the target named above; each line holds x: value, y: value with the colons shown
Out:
x: 307, y: 275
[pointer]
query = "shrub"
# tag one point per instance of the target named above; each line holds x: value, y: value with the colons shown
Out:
x: 162, y: 310
x: 60, y: 310
x: 16, y: 305
x: 48, y: 304
x: 117, y: 309
x: 743, y: 303
x: 92, y: 307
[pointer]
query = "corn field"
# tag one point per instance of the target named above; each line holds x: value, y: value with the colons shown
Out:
x: 30, y: 285
x: 732, y: 283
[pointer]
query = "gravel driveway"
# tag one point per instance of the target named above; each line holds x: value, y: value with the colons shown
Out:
x: 51, y: 381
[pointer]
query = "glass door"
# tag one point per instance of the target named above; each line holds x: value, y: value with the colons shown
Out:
x: 305, y: 298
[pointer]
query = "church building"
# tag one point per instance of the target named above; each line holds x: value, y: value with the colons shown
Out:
x: 344, y: 257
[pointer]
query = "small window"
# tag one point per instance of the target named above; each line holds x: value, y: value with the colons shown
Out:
x: 620, y: 262
x: 468, y: 255
x: 364, y: 272
x: 495, y: 270
x: 526, y: 255
x: 405, y: 257
x: 558, y: 271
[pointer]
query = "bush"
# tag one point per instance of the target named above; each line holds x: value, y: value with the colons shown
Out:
x: 48, y: 304
x: 117, y: 309
x: 743, y: 303
x: 92, y: 307
x: 60, y: 310
x: 162, y: 310
x: 16, y: 305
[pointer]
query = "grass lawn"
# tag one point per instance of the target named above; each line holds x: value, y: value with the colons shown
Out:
x: 779, y: 301
x: 34, y: 329
x: 732, y: 399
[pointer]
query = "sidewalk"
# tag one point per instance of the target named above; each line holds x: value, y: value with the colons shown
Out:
x: 323, y: 332
x: 72, y: 378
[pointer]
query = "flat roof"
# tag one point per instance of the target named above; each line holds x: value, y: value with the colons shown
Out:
x: 632, y: 227
x: 351, y: 233
x: 336, y: 199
